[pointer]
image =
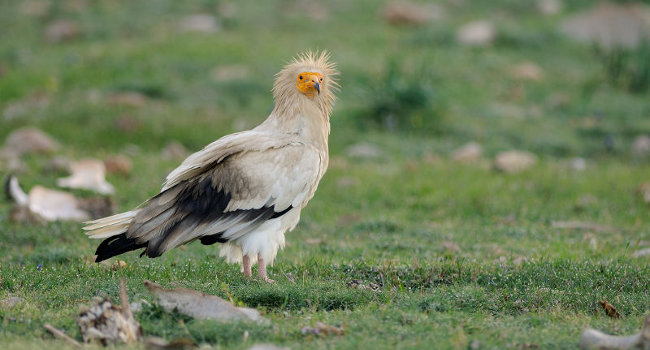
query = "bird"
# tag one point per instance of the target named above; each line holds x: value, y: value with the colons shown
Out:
x: 244, y: 190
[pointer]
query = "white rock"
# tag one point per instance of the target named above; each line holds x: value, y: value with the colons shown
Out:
x: 610, y: 25
x: 528, y: 71
x: 200, y: 23
x: 88, y: 174
x: 514, y: 161
x: 468, y: 153
x: 549, y: 7
x: 201, y: 305
x: 30, y: 140
x: 641, y: 145
x: 479, y: 33
x: 641, y: 253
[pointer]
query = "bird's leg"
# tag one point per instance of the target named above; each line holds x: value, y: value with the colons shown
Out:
x: 261, y: 269
x: 246, y: 261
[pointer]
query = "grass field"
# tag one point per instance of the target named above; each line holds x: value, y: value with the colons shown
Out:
x: 464, y: 256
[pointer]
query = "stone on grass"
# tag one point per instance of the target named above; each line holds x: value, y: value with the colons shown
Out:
x: 514, y: 161
x: 468, y: 153
x: 549, y: 7
x: 594, y: 339
x: 30, y: 140
x: 363, y: 150
x: 527, y: 71
x: 641, y: 145
x: 478, y: 33
x: 268, y: 347
x: 641, y: 253
x: 174, y: 151
x: 127, y: 98
x: 11, y: 302
x: 199, y: 23
x: 230, y: 72
x: 200, y: 305
x: 407, y: 13
x: 610, y: 25
x: 87, y: 174
x: 118, y: 164
x: 62, y: 30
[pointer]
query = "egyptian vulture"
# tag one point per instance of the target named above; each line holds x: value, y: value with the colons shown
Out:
x: 244, y: 190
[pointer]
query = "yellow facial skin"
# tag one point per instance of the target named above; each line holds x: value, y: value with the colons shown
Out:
x: 309, y: 83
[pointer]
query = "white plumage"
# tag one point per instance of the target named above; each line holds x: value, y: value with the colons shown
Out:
x: 244, y: 190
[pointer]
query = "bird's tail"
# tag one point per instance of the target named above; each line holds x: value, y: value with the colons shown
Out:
x: 110, y: 226
x: 113, y: 230
x: 116, y: 245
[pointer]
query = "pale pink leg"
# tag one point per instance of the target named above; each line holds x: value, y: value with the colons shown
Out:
x: 247, y: 266
x: 261, y: 270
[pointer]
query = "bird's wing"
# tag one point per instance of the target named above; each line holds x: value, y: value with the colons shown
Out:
x: 217, y: 151
x: 228, y: 196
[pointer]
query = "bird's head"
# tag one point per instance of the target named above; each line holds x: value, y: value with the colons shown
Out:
x: 310, y: 76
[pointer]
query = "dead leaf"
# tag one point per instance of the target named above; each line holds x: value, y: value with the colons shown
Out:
x: 108, y: 323
x: 200, y: 305
x: 323, y: 329
x: 87, y: 174
x: 62, y: 30
x: 118, y: 164
x: 610, y: 310
x: 30, y: 140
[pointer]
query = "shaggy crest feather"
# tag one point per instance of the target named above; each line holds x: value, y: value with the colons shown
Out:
x: 284, y: 90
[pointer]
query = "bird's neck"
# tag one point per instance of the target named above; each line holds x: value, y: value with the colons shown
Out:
x: 305, y: 118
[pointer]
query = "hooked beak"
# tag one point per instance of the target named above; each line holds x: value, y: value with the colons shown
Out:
x: 317, y: 87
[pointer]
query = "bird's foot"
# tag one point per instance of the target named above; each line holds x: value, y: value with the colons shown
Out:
x: 261, y: 270
x: 246, y: 262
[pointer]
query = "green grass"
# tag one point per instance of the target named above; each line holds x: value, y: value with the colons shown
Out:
x: 460, y: 253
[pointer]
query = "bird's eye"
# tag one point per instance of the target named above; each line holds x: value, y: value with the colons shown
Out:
x: 321, y: 79
x: 300, y: 77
